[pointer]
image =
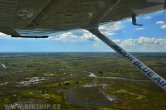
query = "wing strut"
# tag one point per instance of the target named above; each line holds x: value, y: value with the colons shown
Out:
x: 161, y: 82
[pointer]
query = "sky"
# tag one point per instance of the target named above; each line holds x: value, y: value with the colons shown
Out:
x: 151, y: 37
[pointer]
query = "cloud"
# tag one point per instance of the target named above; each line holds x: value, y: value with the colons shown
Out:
x: 144, y: 41
x: 70, y: 36
x: 2, y: 34
x: 139, y: 29
x: 141, y: 44
x: 88, y: 36
x: 148, y: 17
x: 5, y: 36
x: 109, y: 29
x: 127, y: 42
x: 144, y: 44
x: 162, y: 24
x: 96, y: 45
x: 67, y: 36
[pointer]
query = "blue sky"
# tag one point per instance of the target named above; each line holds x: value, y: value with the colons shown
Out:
x: 151, y: 37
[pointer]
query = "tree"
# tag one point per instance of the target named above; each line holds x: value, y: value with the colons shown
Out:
x: 100, y: 72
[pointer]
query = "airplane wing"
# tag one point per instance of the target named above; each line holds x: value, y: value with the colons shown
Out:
x: 41, y: 17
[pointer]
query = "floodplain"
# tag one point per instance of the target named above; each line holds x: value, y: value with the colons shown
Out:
x: 81, y: 81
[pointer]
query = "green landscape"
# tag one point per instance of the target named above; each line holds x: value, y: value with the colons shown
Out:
x: 81, y: 81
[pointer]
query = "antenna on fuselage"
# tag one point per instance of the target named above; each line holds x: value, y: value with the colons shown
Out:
x: 134, y: 20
